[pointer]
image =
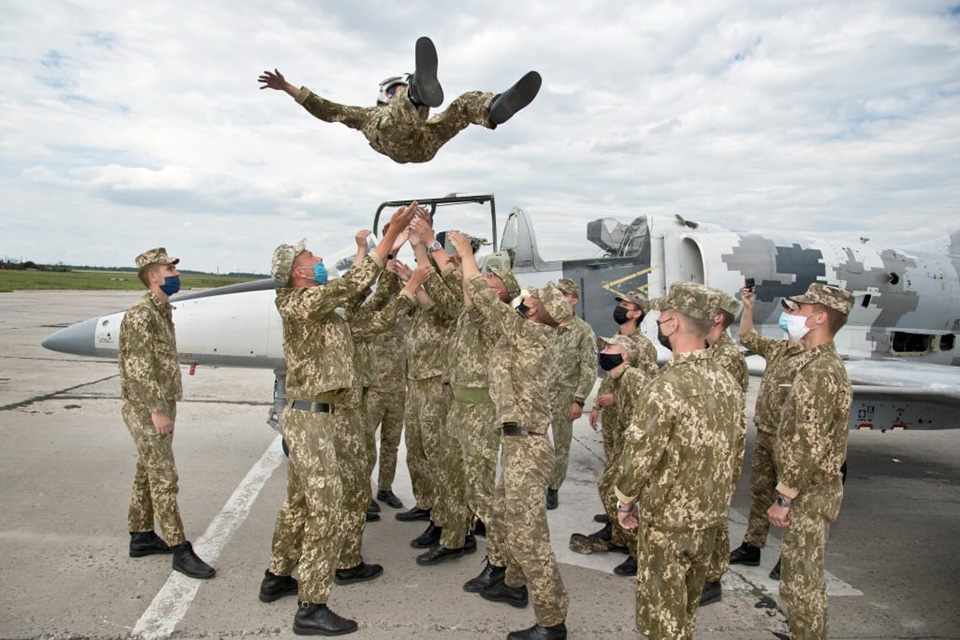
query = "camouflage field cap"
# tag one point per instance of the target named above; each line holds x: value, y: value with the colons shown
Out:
x: 509, y: 281
x: 283, y: 256
x: 532, y: 292
x: 690, y: 299
x: 829, y: 296
x: 635, y: 298
x: 728, y: 303
x: 155, y: 256
x: 568, y: 286
x: 629, y: 344
x: 554, y: 303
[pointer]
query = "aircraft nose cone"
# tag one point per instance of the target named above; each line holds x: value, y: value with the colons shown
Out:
x: 77, y: 339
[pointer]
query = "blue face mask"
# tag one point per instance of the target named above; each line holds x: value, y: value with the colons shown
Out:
x: 783, y: 320
x: 171, y: 284
x: 320, y: 273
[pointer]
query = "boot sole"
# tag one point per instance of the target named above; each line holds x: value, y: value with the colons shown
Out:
x: 144, y: 554
x: 425, y: 75
x: 308, y: 631
x: 513, y: 603
x: 746, y: 563
x: 198, y: 576
x: 513, y: 100
x: 441, y: 559
x: 716, y: 598
x: 273, y: 597
x: 343, y: 581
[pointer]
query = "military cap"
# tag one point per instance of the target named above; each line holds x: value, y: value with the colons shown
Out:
x: 568, y: 286
x: 632, y: 346
x: 690, y: 299
x: 728, y: 303
x: 554, y: 303
x: 155, y: 256
x: 509, y: 281
x: 282, y: 263
x: 827, y: 295
x: 533, y: 292
x: 635, y: 298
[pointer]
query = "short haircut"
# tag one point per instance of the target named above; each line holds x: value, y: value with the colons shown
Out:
x: 835, y: 319
x: 144, y: 273
x: 727, y: 318
x: 696, y: 326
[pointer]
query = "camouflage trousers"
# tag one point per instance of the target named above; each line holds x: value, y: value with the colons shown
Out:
x: 428, y: 407
x: 155, y: 480
x: 417, y: 465
x: 605, y: 487
x: 763, y: 484
x: 611, y: 432
x: 384, y: 411
x: 475, y: 425
x: 527, y: 462
x: 562, y: 427
x: 351, y: 448
x: 802, y: 582
x: 671, y: 571
x: 308, y: 524
x: 397, y: 129
x: 720, y: 557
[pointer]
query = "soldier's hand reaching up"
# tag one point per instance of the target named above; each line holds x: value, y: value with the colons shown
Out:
x: 420, y: 275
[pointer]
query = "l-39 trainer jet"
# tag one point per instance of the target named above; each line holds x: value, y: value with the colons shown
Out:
x: 899, y: 343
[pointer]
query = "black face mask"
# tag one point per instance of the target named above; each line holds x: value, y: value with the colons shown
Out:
x: 620, y: 315
x: 523, y: 309
x: 663, y: 339
x: 609, y: 361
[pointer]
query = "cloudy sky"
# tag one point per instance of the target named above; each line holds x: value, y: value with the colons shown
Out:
x: 136, y: 124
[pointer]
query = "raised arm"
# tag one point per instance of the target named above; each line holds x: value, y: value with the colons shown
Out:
x: 275, y: 80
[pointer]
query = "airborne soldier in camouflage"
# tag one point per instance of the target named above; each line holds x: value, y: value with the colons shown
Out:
x: 399, y: 126
x: 519, y: 368
x: 571, y: 381
x: 811, y: 447
x: 782, y: 362
x: 676, y: 466
x: 319, y: 353
x: 725, y: 350
x: 150, y: 387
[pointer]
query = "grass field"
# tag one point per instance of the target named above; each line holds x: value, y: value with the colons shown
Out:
x: 11, y: 280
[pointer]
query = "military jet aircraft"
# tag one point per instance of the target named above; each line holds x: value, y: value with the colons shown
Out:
x: 899, y: 343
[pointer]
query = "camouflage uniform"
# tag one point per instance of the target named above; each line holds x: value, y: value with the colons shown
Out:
x: 726, y: 352
x: 572, y: 376
x: 811, y: 447
x: 519, y: 381
x: 472, y: 414
x: 781, y: 369
x: 320, y: 369
x: 677, y: 461
x: 396, y: 129
x: 387, y: 396
x: 150, y: 381
x: 437, y: 448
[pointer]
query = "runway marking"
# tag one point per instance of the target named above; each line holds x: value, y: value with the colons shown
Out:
x: 174, y: 599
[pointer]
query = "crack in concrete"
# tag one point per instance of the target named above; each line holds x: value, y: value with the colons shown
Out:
x: 35, y: 399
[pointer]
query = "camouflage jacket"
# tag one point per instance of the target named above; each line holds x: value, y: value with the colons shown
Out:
x: 812, y: 442
x: 782, y: 363
x: 468, y: 360
x: 628, y: 386
x: 726, y: 351
x: 574, y: 358
x: 679, y: 446
x: 430, y: 333
x: 646, y: 363
x: 149, y: 372
x: 316, y: 339
x: 387, y: 352
x: 519, y: 359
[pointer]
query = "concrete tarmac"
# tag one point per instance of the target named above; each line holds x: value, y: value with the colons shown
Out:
x: 66, y: 469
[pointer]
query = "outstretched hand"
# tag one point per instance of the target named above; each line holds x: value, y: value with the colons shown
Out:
x: 460, y: 243
x: 403, y: 271
x: 361, y: 238
x: 420, y: 275
x: 273, y: 80
x: 422, y: 228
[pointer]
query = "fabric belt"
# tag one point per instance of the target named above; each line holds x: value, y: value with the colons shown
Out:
x: 510, y: 429
x: 315, y: 407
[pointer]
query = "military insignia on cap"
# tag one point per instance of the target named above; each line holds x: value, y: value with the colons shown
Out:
x: 155, y: 256
x: 282, y: 263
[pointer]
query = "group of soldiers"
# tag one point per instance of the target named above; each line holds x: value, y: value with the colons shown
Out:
x: 438, y: 354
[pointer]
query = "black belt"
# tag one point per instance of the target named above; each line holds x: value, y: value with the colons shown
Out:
x: 512, y: 429
x: 316, y: 407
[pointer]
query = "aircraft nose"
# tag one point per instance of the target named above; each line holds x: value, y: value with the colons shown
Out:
x: 77, y: 339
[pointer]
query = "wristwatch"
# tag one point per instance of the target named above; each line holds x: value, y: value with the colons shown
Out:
x: 579, y: 402
x: 436, y: 246
x: 781, y: 502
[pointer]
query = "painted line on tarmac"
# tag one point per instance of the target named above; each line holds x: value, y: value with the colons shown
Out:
x: 174, y: 599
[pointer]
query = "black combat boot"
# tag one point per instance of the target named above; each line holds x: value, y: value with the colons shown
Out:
x: 416, y: 513
x: 274, y: 587
x: 360, y: 573
x: 712, y: 592
x: 147, y: 543
x: 490, y: 576
x: 479, y: 529
x: 388, y: 496
x: 439, y: 554
x: 775, y: 572
x: 318, y: 620
x: 470, y: 544
x: 374, y: 507
x: 425, y: 89
x: 500, y: 592
x: 505, y: 105
x: 746, y: 554
x: 428, y: 538
x: 627, y: 568
x: 536, y: 632
x: 602, y: 518
x: 553, y: 499
x: 189, y: 563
